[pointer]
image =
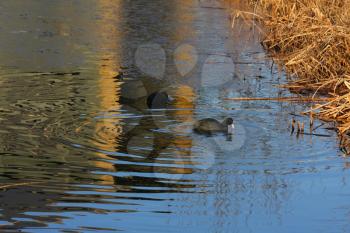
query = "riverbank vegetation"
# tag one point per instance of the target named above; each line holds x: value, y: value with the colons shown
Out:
x: 311, y: 39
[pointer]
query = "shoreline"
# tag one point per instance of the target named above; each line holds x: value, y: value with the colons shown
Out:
x: 311, y: 41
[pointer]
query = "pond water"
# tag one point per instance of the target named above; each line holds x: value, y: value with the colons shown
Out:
x: 81, y: 151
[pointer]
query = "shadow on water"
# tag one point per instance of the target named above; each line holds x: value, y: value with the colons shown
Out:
x: 81, y: 151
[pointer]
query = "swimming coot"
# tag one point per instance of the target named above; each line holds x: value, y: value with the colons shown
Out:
x: 211, y: 126
x: 158, y: 100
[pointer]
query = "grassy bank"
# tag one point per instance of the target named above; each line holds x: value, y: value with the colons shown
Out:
x: 311, y: 39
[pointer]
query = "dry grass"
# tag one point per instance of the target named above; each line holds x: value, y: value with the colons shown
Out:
x: 311, y: 39
x: 282, y: 99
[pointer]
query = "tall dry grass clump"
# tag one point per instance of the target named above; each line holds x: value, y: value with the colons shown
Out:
x: 311, y: 39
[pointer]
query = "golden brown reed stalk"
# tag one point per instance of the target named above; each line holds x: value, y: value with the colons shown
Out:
x: 311, y: 121
x: 293, y: 126
x: 302, y: 127
x: 311, y: 39
x: 281, y: 99
x: 299, y: 128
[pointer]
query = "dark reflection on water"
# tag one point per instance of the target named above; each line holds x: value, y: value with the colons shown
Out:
x: 80, y: 151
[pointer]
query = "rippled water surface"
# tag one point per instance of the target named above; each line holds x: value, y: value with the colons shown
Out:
x: 81, y: 151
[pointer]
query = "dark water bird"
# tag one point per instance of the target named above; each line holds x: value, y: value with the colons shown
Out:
x: 158, y: 100
x: 210, y: 126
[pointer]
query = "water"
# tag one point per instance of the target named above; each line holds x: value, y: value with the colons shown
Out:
x: 81, y: 152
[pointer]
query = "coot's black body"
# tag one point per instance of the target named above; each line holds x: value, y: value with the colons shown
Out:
x: 158, y: 100
x: 211, y: 126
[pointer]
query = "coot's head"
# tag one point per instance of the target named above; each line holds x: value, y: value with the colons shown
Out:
x: 228, y: 122
x: 158, y: 100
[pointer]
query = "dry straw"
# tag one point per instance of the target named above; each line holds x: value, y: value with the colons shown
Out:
x: 311, y: 39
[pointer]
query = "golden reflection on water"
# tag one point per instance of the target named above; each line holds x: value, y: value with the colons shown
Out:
x: 184, y: 105
x: 110, y: 130
x: 184, y: 101
x: 184, y: 94
x: 107, y: 129
x: 183, y: 30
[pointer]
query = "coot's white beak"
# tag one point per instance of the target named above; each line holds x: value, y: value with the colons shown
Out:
x: 230, y: 128
x: 170, y: 99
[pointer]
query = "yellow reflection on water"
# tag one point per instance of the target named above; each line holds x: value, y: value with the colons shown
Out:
x: 185, y: 60
x: 108, y: 129
x: 183, y: 30
x: 184, y: 110
x: 184, y: 102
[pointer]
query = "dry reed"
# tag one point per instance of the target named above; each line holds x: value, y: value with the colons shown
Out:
x: 281, y: 99
x: 311, y: 39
